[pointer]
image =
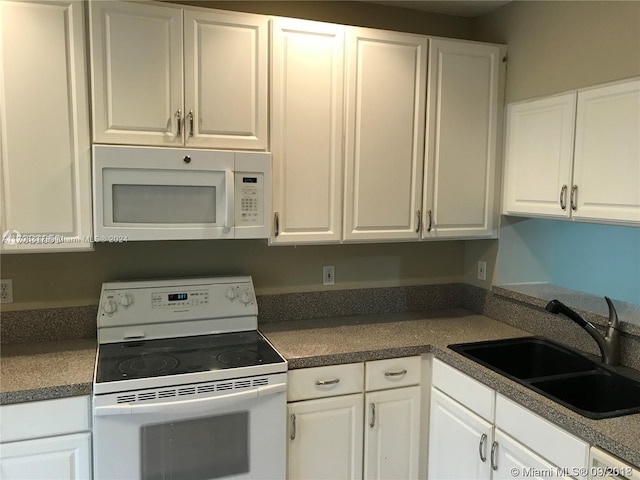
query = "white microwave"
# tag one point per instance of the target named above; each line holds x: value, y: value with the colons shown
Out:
x: 147, y: 193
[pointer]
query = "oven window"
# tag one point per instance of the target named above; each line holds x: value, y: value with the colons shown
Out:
x: 196, y: 449
x: 164, y: 204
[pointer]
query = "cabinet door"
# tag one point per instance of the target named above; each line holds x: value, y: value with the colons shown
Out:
x: 539, y: 151
x: 606, y: 171
x: 386, y: 84
x: 459, y: 441
x: 45, y: 170
x: 225, y: 71
x: 461, y: 139
x: 325, y: 438
x: 392, y: 434
x: 66, y: 457
x: 136, y: 53
x: 512, y: 460
x: 306, y: 131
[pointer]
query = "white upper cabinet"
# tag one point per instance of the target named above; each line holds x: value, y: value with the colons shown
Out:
x: 576, y: 155
x: 168, y: 76
x: 386, y: 87
x: 45, y: 166
x: 225, y: 72
x: 462, y: 121
x: 306, y: 131
x: 606, y: 166
x: 136, y: 53
x: 539, y: 153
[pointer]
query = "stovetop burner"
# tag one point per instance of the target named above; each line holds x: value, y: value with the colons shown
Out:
x: 175, y: 356
x: 148, y: 365
x: 240, y: 358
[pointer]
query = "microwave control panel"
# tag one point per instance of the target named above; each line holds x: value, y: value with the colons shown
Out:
x: 249, y: 190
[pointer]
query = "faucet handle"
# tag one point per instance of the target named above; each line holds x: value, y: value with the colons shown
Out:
x: 613, y: 315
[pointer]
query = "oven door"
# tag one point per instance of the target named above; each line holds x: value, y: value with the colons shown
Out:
x: 143, y: 193
x: 235, y: 436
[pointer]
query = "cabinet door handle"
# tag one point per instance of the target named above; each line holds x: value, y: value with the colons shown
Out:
x: 494, y: 458
x: 418, y: 213
x: 276, y: 219
x: 563, y: 197
x: 395, y: 374
x: 482, y: 448
x: 321, y: 383
x: 430, y: 220
x: 190, y: 123
x: 293, y: 426
x: 372, y: 422
x: 574, y: 198
x: 179, y: 122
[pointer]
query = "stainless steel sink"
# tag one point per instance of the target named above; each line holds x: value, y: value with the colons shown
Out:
x: 559, y: 373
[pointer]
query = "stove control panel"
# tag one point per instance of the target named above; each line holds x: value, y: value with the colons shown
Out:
x: 215, y: 303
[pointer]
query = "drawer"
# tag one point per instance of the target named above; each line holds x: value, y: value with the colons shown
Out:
x: 392, y: 373
x: 327, y: 381
x: 543, y: 437
x: 46, y: 418
x: 469, y: 392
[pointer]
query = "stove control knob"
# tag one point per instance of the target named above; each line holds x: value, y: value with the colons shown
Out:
x: 245, y: 298
x: 231, y: 293
x: 109, y: 307
x: 126, y: 300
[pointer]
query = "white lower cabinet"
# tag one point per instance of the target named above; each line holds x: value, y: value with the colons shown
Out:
x: 475, y: 433
x: 336, y: 431
x: 325, y: 438
x: 55, y: 444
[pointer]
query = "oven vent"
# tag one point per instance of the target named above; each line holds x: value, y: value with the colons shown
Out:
x: 186, y: 391
x: 206, y: 388
x: 146, y: 396
x: 166, y: 393
x: 242, y: 384
x: 224, y: 386
x: 125, y: 398
x: 258, y: 382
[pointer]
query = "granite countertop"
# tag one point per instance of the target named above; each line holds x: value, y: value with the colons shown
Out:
x: 309, y: 343
x: 42, y: 371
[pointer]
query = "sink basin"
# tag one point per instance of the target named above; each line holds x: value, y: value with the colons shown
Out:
x: 524, y: 358
x: 597, y: 394
x: 561, y: 374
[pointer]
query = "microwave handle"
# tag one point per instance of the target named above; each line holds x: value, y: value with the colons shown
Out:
x: 192, y: 406
x: 230, y: 193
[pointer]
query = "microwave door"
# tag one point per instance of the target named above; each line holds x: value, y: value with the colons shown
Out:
x: 166, y: 204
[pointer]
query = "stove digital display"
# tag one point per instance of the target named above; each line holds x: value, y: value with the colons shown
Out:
x: 177, y: 297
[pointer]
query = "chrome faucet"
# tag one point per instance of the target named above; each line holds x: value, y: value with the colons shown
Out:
x: 609, y: 344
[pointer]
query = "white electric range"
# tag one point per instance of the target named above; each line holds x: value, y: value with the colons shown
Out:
x: 185, y: 385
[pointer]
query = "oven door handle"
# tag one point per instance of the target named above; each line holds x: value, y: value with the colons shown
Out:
x: 194, y: 405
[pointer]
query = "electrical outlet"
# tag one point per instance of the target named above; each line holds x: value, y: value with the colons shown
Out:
x: 482, y: 270
x: 328, y: 275
x: 6, y: 291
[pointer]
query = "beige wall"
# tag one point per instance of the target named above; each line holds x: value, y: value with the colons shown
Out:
x: 61, y: 279
x: 352, y: 13
x: 554, y: 46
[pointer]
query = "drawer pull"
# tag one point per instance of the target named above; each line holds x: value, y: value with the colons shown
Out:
x: 395, y: 374
x: 321, y: 383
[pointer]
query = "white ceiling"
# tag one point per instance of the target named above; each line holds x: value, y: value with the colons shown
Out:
x: 462, y: 8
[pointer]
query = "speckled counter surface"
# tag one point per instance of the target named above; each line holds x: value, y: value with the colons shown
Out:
x: 42, y: 371
x: 310, y: 343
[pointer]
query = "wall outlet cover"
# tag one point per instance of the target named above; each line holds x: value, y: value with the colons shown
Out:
x: 6, y: 291
x: 328, y: 275
x: 482, y: 270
